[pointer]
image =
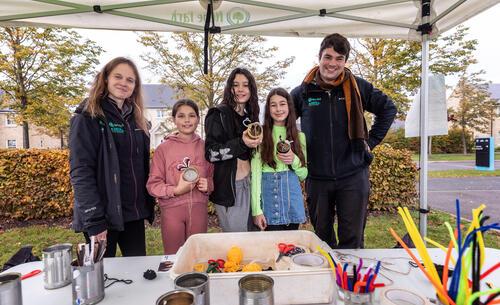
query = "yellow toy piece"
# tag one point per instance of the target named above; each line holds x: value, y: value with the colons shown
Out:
x: 231, y: 266
x: 235, y: 254
x: 199, y: 267
x: 252, y: 267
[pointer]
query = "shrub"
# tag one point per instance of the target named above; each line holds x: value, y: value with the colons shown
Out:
x: 446, y: 144
x: 393, y: 177
x: 452, y: 142
x: 35, y: 184
x: 396, y: 138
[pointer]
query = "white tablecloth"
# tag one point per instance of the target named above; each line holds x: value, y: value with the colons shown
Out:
x: 143, y: 291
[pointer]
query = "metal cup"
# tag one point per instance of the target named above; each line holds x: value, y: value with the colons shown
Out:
x: 88, y: 284
x: 176, y: 297
x: 254, y: 130
x: 354, y: 298
x: 196, y: 282
x: 10, y: 289
x: 190, y: 174
x: 283, y: 147
x: 57, y: 266
x: 256, y: 289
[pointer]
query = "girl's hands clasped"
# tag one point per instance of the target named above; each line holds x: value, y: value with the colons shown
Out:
x: 286, y: 158
x: 202, y: 185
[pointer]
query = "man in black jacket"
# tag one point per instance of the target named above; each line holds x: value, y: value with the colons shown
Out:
x: 331, y: 102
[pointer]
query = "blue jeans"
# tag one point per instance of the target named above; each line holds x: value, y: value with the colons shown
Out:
x: 281, y: 198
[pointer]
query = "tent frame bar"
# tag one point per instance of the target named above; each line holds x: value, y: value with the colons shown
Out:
x: 374, y: 21
x: 426, y: 29
x: 447, y: 11
x: 303, y: 13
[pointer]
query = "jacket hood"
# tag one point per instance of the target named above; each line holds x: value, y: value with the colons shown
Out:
x: 175, y: 137
x: 81, y: 107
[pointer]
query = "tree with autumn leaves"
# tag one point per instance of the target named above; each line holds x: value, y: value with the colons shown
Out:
x: 178, y: 60
x: 43, y: 73
x: 475, y: 108
x: 394, y: 65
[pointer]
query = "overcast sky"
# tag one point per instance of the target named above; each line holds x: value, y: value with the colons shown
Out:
x: 482, y: 27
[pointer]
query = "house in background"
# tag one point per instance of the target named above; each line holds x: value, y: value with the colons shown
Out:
x: 494, y: 90
x: 11, y: 133
x: 158, y: 102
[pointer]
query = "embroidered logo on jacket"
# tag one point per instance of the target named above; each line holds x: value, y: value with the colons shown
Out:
x: 313, y: 101
x: 117, y: 127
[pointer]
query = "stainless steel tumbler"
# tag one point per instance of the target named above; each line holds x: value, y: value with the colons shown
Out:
x: 176, y: 297
x: 196, y: 282
x: 57, y: 266
x: 10, y: 289
x: 88, y: 284
x: 256, y: 289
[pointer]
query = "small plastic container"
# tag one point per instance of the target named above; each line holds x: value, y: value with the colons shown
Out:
x: 354, y: 298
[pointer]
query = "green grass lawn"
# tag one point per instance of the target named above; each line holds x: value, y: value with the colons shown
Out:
x: 377, y: 235
x: 463, y: 173
x: 453, y: 157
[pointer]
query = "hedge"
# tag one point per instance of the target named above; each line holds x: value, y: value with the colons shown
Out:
x: 393, y: 177
x: 34, y: 184
x: 446, y: 144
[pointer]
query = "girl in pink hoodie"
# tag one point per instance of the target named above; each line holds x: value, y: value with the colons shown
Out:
x: 181, y: 179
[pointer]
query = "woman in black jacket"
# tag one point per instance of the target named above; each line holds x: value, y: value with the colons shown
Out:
x: 109, y: 161
x: 229, y: 149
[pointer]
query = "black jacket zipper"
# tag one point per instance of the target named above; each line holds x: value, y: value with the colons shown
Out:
x: 233, y: 174
x: 132, y: 166
x: 330, y: 102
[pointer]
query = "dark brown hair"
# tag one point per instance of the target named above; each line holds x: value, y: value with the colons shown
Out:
x: 338, y: 42
x: 292, y: 133
x: 99, y: 90
x: 185, y: 102
x: 252, y: 106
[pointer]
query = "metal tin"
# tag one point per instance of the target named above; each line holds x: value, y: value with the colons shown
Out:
x: 57, y: 266
x: 283, y: 146
x: 254, y: 130
x: 176, y: 297
x: 10, y: 289
x: 88, y: 284
x: 354, y: 298
x: 190, y: 174
x: 196, y: 282
x: 256, y: 289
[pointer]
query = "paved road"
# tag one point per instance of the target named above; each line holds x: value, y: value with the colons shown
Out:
x: 449, y: 165
x: 471, y: 191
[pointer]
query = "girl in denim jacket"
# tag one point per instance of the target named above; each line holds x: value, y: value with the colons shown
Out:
x: 278, y: 167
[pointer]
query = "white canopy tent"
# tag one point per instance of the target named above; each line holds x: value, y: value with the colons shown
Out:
x: 404, y: 19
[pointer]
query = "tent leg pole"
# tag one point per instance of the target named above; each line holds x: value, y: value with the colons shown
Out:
x: 424, y: 101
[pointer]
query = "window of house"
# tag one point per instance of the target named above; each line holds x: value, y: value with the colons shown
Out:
x: 9, y: 121
x: 11, y: 143
x: 160, y: 114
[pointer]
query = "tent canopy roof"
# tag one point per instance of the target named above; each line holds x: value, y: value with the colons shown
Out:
x: 352, y: 18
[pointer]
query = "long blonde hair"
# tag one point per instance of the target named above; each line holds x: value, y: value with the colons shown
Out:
x: 99, y: 90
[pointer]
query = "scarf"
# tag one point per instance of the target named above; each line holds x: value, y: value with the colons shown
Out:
x: 356, y: 124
